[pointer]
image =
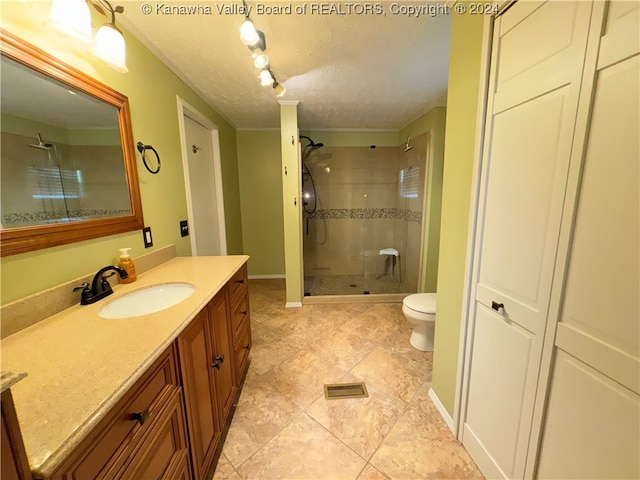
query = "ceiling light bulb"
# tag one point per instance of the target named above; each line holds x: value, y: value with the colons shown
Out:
x: 260, y: 59
x: 279, y: 89
x: 266, y: 79
x: 248, y: 33
x: 110, y: 47
x: 72, y: 17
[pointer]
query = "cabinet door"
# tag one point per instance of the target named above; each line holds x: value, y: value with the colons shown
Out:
x: 223, y: 359
x: 195, y: 349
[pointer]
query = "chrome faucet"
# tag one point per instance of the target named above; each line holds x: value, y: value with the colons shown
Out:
x: 98, y: 292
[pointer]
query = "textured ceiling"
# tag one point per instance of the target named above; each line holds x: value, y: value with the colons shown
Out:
x: 348, y: 71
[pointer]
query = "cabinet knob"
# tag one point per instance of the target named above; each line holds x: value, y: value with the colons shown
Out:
x: 497, y: 306
x: 141, y: 417
x: 240, y: 281
x: 247, y: 346
x: 218, y: 361
x: 244, y: 312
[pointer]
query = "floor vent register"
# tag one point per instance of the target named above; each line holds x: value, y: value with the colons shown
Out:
x: 336, y: 391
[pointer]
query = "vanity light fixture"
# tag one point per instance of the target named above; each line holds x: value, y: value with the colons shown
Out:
x: 73, y: 17
x: 109, y: 43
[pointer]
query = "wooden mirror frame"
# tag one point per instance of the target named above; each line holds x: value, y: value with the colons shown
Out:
x: 28, y: 239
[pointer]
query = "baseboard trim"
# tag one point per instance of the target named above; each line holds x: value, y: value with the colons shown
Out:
x: 264, y: 277
x: 293, y: 305
x: 443, y: 411
x: 375, y: 298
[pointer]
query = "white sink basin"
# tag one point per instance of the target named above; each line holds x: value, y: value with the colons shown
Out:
x: 147, y: 300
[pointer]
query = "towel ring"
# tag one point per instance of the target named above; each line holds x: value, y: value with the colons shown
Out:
x: 142, y: 148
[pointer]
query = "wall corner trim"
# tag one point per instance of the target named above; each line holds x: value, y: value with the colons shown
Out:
x: 443, y: 411
x: 293, y: 305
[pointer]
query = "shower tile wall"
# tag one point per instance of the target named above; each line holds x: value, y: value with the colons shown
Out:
x: 103, y: 181
x: 360, y: 211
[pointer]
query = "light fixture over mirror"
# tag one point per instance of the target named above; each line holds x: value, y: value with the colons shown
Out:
x: 68, y: 161
x: 72, y: 17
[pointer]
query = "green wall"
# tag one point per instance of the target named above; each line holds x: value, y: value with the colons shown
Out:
x: 152, y: 89
x: 434, y: 122
x: 462, y: 107
x: 259, y: 165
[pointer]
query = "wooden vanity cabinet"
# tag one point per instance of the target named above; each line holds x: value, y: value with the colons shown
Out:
x: 208, y: 373
x: 132, y: 437
x: 169, y: 424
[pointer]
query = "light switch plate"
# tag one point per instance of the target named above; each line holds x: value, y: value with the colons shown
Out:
x: 184, y: 228
x: 146, y: 236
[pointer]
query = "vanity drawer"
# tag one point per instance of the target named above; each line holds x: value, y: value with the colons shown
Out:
x: 239, y: 315
x: 104, y: 453
x: 238, y: 282
x: 164, y: 447
x: 242, y: 349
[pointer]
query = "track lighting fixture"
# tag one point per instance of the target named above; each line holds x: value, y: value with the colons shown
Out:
x: 257, y: 43
x: 260, y: 59
x: 266, y: 77
x: 248, y: 33
x: 73, y: 18
x: 278, y: 89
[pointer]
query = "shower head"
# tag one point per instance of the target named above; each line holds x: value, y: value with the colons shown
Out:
x: 408, y: 147
x: 312, y: 144
x: 41, y: 145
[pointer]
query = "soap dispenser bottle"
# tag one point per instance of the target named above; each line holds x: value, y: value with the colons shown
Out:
x: 127, y: 265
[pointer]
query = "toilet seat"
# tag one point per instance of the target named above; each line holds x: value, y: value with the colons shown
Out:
x: 421, y: 304
x: 420, y: 308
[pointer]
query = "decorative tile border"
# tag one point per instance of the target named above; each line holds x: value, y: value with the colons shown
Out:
x: 70, y: 215
x: 367, y: 213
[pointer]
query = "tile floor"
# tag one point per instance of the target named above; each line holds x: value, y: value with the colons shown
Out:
x: 284, y: 428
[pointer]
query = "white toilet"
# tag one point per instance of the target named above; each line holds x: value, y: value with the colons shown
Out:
x: 420, y: 309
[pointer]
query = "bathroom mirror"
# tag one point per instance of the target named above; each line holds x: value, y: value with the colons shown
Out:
x: 68, y: 170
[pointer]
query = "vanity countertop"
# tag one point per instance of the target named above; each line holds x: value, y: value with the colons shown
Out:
x: 79, y: 365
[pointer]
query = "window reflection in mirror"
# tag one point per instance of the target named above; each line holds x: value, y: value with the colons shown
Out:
x: 61, y: 155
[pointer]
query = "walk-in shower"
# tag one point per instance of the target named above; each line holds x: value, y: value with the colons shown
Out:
x: 362, y: 217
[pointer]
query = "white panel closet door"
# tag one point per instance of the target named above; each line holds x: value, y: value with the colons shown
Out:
x: 537, y: 59
x: 592, y: 427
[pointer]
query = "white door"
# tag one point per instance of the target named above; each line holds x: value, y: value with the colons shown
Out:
x: 536, y: 69
x: 201, y: 186
x: 592, y: 422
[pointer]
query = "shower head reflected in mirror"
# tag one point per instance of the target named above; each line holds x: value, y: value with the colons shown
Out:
x: 408, y: 146
x: 41, y: 145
